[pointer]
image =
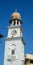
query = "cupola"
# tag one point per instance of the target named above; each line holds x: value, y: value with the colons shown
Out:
x: 15, y: 18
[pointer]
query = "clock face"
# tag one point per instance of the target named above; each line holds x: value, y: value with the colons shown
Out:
x: 11, y: 52
x: 13, y: 32
x: 11, y: 46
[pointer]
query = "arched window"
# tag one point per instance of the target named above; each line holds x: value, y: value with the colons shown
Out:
x: 14, y: 22
x: 17, y: 22
x: 13, y: 51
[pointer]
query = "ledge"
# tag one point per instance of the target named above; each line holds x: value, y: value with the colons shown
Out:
x: 15, y: 38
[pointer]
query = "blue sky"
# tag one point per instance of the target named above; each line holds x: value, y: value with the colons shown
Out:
x: 25, y: 7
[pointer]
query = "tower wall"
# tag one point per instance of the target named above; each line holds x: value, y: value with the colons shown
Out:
x: 14, y: 43
x: 19, y: 52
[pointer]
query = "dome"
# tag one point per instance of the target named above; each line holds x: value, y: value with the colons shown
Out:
x: 16, y: 15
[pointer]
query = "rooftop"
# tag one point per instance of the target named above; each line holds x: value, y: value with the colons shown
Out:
x: 16, y: 15
x: 29, y: 56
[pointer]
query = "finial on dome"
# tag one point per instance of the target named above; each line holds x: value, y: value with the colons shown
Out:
x: 15, y: 10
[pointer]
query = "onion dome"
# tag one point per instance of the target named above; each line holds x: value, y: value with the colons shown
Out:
x: 16, y: 15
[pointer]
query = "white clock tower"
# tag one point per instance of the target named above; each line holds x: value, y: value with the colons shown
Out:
x: 14, y: 43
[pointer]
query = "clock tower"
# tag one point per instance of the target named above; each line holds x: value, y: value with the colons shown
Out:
x: 14, y: 43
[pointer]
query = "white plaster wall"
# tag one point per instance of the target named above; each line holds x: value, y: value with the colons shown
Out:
x: 18, y: 52
x: 17, y: 62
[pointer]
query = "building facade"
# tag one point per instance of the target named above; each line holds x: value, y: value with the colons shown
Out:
x: 28, y: 59
x: 14, y: 43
